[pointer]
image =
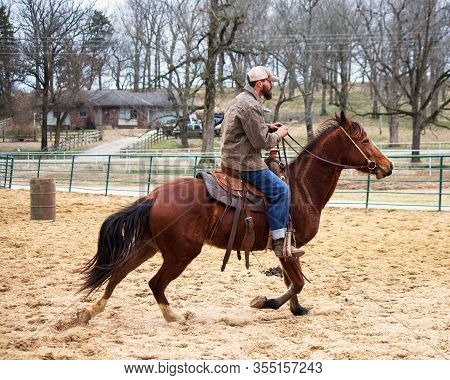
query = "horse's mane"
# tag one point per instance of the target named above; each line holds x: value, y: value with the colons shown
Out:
x: 356, y: 132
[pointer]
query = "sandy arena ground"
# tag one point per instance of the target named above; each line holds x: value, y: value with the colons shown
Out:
x: 380, y: 290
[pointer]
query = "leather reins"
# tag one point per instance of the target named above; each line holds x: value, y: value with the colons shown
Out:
x: 370, y: 165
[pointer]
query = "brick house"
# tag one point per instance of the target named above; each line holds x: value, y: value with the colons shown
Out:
x: 117, y: 109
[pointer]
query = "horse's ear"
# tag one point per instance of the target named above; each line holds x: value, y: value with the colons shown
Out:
x: 337, y: 118
x: 344, y: 121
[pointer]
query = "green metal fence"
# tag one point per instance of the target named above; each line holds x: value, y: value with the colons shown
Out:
x: 424, y: 185
x: 6, y: 170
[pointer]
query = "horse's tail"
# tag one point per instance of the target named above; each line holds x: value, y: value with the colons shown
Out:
x: 119, y: 235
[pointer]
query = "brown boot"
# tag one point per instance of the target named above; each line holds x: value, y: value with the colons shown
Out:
x: 278, y: 248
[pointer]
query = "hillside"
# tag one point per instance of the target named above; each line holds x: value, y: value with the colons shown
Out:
x: 359, y: 103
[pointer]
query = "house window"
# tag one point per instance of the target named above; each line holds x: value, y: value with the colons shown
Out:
x: 128, y: 113
x: 124, y: 113
x: 83, y: 113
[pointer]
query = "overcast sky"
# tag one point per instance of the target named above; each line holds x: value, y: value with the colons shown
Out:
x: 107, y: 4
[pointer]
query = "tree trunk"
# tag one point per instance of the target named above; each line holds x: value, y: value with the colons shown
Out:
x: 57, y: 132
x: 393, y: 130
x: 100, y: 84
x: 210, y: 85
x: 343, y: 93
x: 210, y: 102
x: 136, y: 66
x: 323, y: 110
x: 292, y: 82
x: 44, y: 128
x: 183, y: 127
x: 118, y: 70
x: 331, y: 81
x: 418, y: 126
x: 373, y: 94
x: 220, y: 73
x: 308, y: 98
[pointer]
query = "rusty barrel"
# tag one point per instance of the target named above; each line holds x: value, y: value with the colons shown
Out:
x: 42, y: 199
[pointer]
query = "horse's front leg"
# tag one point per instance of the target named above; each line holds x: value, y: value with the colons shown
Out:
x: 294, y: 304
x: 295, y: 282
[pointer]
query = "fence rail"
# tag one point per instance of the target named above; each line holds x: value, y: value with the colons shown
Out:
x: 72, y: 140
x: 5, y: 123
x: 6, y: 169
x: 146, y: 141
x: 423, y: 185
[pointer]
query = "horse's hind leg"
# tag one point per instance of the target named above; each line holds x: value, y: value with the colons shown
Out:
x: 295, y: 282
x: 171, y: 268
x: 142, y: 255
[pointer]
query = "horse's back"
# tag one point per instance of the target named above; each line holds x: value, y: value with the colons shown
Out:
x: 183, y: 210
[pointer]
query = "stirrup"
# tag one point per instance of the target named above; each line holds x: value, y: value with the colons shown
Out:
x: 290, y: 249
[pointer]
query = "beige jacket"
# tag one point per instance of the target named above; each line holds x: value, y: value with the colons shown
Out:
x: 244, y: 133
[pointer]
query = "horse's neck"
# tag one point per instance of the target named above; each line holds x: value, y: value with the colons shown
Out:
x: 312, y: 184
x: 312, y: 181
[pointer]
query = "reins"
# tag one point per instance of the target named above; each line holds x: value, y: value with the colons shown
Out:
x: 370, y: 165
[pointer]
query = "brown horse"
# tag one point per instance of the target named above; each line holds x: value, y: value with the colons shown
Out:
x: 178, y: 218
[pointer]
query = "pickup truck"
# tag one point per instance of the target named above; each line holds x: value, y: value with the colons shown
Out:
x: 195, y: 130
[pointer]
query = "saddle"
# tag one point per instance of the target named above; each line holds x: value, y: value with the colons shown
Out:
x: 228, y: 188
x: 230, y: 191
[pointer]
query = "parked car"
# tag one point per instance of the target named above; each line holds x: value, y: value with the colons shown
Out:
x: 218, y: 118
x: 218, y: 130
x: 194, y: 130
x: 168, y: 124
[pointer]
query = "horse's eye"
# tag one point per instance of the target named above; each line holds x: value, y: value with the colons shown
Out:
x: 365, y: 141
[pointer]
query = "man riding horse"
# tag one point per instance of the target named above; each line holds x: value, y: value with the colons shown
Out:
x: 244, y: 134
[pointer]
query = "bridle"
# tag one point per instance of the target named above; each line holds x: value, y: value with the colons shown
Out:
x: 370, y: 165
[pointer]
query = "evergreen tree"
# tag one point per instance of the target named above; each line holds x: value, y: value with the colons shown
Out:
x: 7, y: 62
x: 97, y: 44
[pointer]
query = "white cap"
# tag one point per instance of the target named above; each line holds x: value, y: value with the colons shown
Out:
x: 261, y: 73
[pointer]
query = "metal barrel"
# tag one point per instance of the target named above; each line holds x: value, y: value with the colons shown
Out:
x: 42, y: 199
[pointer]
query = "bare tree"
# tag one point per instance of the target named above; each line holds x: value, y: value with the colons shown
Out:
x: 415, y: 31
x: 120, y: 63
x: 155, y: 21
x: 182, y: 52
x: 337, y: 19
x: 223, y: 20
x: 133, y: 23
x: 305, y: 66
x: 49, y: 29
x: 294, y: 47
x: 284, y: 45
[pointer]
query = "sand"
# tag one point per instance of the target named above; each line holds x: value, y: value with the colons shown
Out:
x: 379, y: 290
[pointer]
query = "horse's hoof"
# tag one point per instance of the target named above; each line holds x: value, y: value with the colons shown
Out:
x: 299, y: 311
x: 174, y: 318
x: 84, y: 316
x: 258, y: 302
x: 169, y: 315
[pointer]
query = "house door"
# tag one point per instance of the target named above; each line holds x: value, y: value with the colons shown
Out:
x: 106, y: 118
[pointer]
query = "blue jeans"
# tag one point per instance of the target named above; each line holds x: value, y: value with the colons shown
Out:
x: 278, y: 197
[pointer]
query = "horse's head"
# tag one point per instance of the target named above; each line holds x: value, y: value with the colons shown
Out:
x: 361, y: 151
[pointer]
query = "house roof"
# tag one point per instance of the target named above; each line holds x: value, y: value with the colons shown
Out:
x: 121, y: 98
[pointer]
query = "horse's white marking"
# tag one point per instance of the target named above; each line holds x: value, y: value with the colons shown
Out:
x: 98, y: 307
x: 168, y: 314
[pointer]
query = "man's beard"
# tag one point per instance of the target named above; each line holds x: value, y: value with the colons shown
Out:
x: 267, y: 93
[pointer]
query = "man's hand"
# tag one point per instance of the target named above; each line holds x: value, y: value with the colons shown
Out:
x: 282, y: 130
x: 274, y: 127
